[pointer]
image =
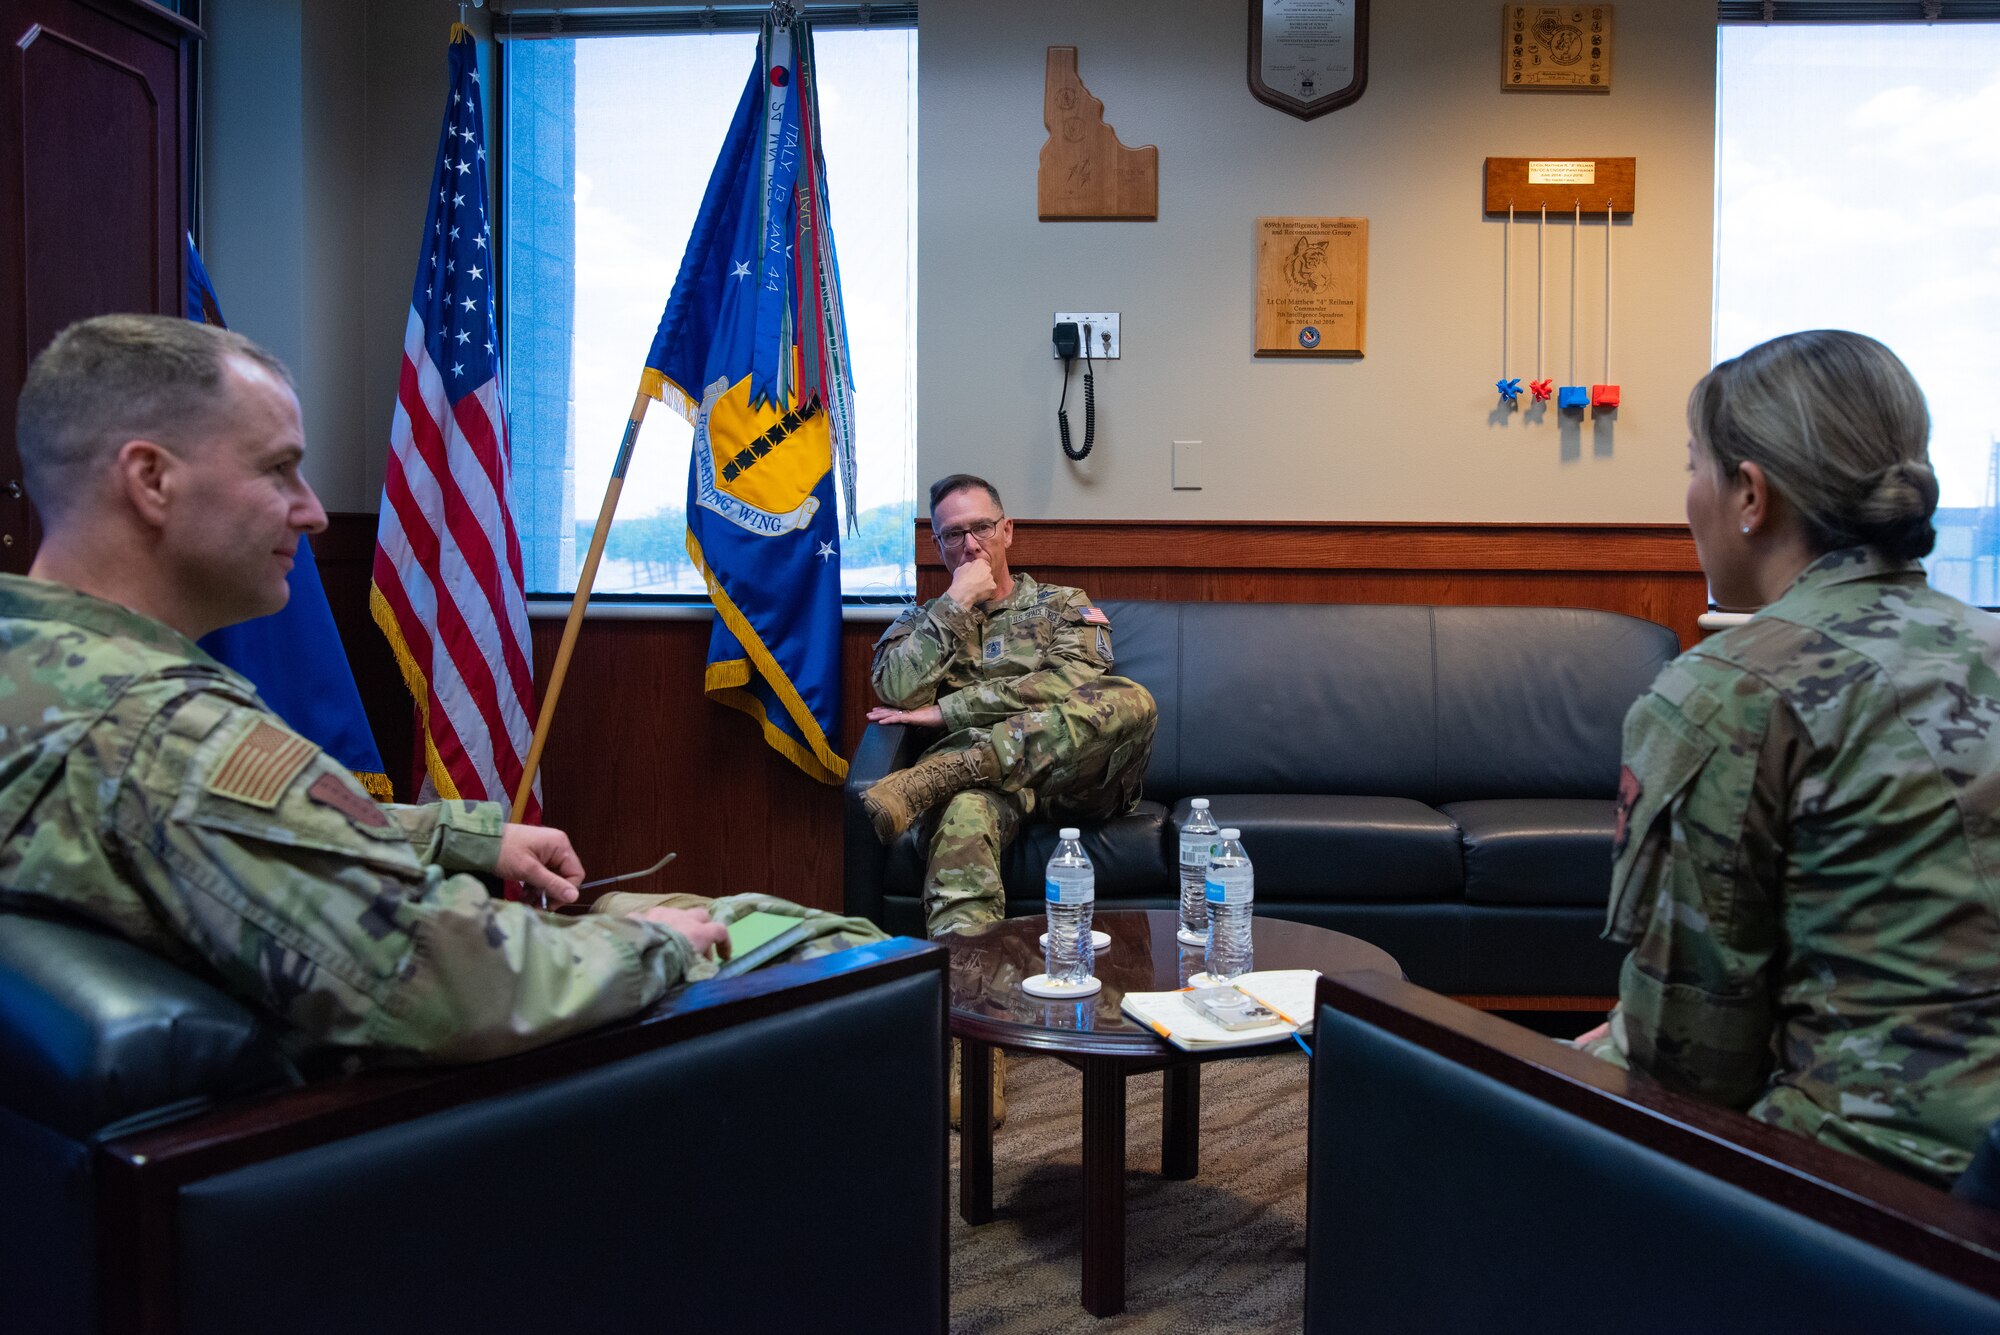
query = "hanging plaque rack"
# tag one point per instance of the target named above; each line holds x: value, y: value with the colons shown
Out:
x: 1561, y: 185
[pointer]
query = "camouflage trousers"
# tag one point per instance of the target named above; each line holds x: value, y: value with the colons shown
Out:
x: 833, y: 933
x: 1079, y: 760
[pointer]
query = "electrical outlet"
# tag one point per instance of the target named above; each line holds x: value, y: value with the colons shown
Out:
x: 1101, y: 323
x: 1187, y: 465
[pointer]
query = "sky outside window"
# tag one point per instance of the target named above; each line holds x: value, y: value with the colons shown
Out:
x: 1858, y: 187
x: 648, y: 118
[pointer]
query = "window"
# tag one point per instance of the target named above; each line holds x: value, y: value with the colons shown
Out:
x: 608, y: 143
x: 1858, y: 186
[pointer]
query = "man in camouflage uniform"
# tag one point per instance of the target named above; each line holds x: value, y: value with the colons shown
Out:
x: 1808, y: 868
x: 1015, y: 673
x: 144, y: 787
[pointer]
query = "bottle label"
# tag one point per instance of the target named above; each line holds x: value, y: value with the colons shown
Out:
x: 1194, y: 849
x: 1077, y: 890
x: 1229, y: 885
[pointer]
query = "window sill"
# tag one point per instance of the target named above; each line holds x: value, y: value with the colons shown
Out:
x: 556, y: 609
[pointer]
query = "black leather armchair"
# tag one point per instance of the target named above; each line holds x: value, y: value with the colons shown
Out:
x: 1981, y: 1181
x: 1468, y: 1175
x: 719, y: 1164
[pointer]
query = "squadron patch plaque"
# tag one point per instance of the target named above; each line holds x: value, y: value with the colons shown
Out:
x: 1565, y: 47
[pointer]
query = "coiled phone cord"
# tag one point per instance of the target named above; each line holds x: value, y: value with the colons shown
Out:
x: 1089, y: 406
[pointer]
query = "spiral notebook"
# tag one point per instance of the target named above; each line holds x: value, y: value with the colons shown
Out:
x: 1289, y: 992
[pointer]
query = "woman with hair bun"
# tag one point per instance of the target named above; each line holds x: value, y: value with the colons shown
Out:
x: 1807, y: 857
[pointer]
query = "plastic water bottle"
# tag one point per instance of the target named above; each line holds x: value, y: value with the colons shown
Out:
x: 1231, y: 888
x: 1192, y: 961
x: 1071, y: 894
x: 1197, y: 838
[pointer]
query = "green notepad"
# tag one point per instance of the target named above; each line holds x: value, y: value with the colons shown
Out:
x: 756, y: 939
x: 754, y: 929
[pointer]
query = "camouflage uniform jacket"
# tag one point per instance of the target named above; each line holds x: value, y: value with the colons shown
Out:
x: 144, y: 786
x: 1808, y: 868
x: 987, y: 664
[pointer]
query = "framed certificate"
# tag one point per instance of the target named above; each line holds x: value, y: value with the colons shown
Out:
x: 1308, y: 57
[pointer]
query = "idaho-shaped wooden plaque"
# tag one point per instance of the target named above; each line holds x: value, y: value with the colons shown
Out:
x: 1085, y: 172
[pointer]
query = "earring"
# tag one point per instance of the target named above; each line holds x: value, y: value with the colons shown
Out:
x: 1746, y: 530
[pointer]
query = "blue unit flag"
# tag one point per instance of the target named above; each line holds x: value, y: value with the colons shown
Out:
x: 752, y: 350
x: 294, y: 657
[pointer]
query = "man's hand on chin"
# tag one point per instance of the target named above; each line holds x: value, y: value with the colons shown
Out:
x: 972, y: 583
x: 930, y: 716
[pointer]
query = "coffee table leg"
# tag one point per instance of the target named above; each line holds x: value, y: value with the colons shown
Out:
x: 1103, y: 1188
x: 975, y: 1132
x: 1180, y: 1121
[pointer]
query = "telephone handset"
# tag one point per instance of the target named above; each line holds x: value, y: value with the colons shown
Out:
x: 1067, y: 338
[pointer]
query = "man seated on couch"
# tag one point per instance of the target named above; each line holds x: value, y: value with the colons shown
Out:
x: 144, y: 786
x: 1015, y: 673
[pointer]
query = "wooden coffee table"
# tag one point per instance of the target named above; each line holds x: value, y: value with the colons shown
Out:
x: 989, y: 1009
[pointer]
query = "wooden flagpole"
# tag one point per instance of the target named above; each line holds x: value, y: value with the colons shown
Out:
x: 577, y: 604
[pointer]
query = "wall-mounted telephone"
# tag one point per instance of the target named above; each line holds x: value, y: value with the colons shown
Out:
x: 1067, y: 338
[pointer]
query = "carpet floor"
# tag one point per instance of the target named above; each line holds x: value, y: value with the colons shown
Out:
x: 1224, y: 1252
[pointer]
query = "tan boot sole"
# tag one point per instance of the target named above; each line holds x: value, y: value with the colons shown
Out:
x: 887, y: 828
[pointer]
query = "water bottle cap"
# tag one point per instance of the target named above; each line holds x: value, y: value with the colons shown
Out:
x: 1232, y: 834
x: 1199, y: 804
x: 1069, y: 832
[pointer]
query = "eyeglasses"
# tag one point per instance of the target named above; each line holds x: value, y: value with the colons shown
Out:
x: 954, y: 538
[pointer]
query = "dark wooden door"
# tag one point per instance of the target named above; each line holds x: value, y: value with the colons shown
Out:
x: 93, y: 196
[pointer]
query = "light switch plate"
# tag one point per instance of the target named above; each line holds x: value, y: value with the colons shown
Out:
x: 1101, y: 323
x: 1187, y: 465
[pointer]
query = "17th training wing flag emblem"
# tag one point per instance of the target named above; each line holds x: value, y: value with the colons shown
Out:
x: 752, y: 350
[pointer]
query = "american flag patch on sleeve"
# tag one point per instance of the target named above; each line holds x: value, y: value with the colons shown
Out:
x: 1095, y: 616
x: 260, y: 766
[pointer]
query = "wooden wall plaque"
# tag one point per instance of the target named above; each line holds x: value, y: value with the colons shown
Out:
x: 1312, y: 287
x: 1085, y: 173
x: 1308, y: 57
x: 1566, y: 48
x: 1562, y: 184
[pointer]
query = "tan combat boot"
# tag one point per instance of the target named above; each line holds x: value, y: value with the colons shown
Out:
x: 894, y: 803
x: 999, y: 1086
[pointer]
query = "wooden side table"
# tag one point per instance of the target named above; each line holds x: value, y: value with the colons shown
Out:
x: 989, y: 1010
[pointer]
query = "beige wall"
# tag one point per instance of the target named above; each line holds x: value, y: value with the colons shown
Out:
x: 320, y: 132
x: 1408, y: 432
x: 252, y: 211
x: 321, y: 125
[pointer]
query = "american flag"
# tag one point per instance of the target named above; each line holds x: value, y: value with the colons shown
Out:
x: 447, y: 582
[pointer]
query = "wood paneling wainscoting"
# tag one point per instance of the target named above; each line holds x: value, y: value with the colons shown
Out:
x: 1645, y: 570
x: 640, y: 763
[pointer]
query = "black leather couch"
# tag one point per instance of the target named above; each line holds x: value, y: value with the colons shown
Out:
x: 162, y: 1170
x: 1465, y: 1174
x: 1437, y: 780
